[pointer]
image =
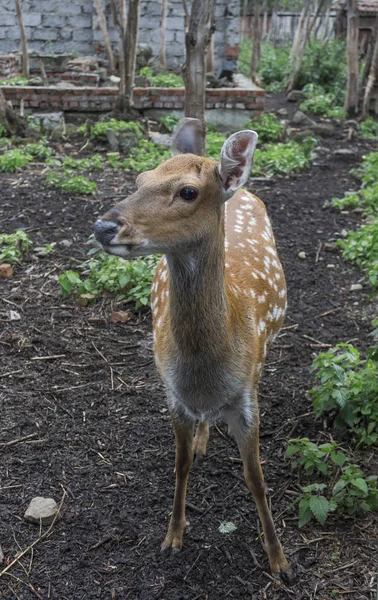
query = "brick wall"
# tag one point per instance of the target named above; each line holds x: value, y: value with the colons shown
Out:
x: 63, y: 26
x: 93, y: 99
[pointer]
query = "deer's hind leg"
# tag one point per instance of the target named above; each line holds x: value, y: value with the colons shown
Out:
x: 200, y: 440
x: 184, y: 458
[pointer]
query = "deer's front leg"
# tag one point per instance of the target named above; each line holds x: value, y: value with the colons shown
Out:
x: 184, y: 458
x: 249, y: 451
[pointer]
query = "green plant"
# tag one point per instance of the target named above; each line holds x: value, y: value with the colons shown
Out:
x: 68, y: 182
x: 39, y: 150
x: 354, y: 493
x: 18, y: 81
x: 214, y: 143
x: 146, y: 156
x: 321, y: 103
x: 368, y: 171
x: 369, y: 129
x: 366, y: 198
x: 169, y: 122
x: 281, y: 159
x: 81, y: 164
x: 166, y: 79
x: 130, y: 280
x: 113, y: 160
x: 13, y: 245
x: 311, y: 457
x: 267, y: 126
x: 361, y: 247
x: 14, y: 159
x: 3, y: 131
x: 312, y: 504
x: 348, y: 388
x: 98, y: 130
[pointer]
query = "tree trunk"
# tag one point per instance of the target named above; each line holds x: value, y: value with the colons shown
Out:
x: 10, y: 120
x: 373, y: 71
x: 351, y: 98
x: 163, y: 28
x: 105, y: 33
x: 128, y: 28
x: 25, y: 54
x: 265, y: 20
x: 197, y: 40
x: 369, y: 57
x: 256, y: 40
x: 299, y: 32
x: 308, y: 27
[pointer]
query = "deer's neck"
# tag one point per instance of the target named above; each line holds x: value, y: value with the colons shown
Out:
x: 198, y: 300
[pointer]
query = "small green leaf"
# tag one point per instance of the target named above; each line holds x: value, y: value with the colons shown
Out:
x: 319, y: 507
x: 360, y: 484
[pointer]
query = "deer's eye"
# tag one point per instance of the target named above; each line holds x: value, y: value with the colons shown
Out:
x: 189, y: 193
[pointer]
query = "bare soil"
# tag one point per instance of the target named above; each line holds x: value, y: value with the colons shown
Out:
x: 84, y: 418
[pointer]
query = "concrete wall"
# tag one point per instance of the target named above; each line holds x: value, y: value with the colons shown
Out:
x: 61, y: 26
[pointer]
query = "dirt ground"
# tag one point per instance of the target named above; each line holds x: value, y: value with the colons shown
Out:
x: 84, y: 419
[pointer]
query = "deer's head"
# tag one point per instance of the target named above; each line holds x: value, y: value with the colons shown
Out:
x: 179, y: 202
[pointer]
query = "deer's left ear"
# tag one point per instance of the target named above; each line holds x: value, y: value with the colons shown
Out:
x: 236, y: 160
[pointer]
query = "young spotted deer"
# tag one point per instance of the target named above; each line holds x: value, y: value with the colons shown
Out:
x: 218, y: 301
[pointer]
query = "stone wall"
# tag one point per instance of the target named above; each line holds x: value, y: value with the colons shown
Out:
x: 226, y: 108
x: 63, y: 26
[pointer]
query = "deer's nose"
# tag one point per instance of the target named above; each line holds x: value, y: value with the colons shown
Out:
x: 105, y: 231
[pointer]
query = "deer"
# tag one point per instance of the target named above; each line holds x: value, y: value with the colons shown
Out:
x: 218, y: 301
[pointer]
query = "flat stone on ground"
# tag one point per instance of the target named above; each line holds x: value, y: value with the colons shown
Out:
x: 41, y: 510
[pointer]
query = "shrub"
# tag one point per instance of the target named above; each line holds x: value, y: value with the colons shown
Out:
x: 68, y: 182
x: 345, y: 489
x: 368, y: 171
x: 321, y: 103
x: 39, y: 150
x: 146, y: 156
x: 369, y: 129
x: 14, y: 159
x: 214, y: 143
x: 98, y: 130
x: 267, y: 126
x: 13, y: 245
x: 130, y: 280
x: 281, y: 159
x: 348, y: 388
x: 366, y: 198
x: 166, y: 79
x: 169, y: 122
x: 361, y: 247
x: 311, y: 457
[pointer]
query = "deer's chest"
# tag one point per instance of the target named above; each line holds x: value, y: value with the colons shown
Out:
x: 201, y: 389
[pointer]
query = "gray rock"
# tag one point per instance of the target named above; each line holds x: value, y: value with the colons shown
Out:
x: 41, y: 510
x: 120, y: 141
x: 345, y: 153
x: 161, y: 139
x: 302, y: 255
x: 282, y: 112
x: 144, y: 54
x: 324, y: 130
x: 62, y: 132
x: 299, y: 136
x: 296, y: 96
x: 300, y: 118
x: 66, y: 243
x: 355, y: 287
x: 49, y: 121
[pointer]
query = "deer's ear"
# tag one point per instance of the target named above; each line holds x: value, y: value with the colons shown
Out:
x: 187, y: 137
x: 236, y: 160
